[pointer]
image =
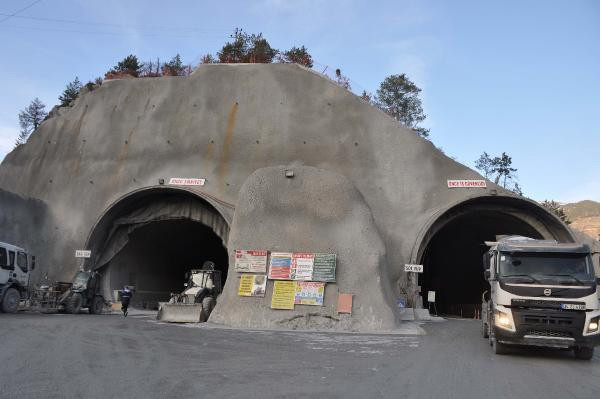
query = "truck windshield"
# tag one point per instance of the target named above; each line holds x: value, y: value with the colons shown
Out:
x: 559, y: 268
x: 81, y: 280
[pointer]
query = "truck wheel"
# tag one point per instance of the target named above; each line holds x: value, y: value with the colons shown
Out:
x: 73, y: 303
x: 10, y: 302
x: 584, y: 352
x: 484, y: 331
x: 97, y: 305
x: 208, y: 304
x: 499, y: 347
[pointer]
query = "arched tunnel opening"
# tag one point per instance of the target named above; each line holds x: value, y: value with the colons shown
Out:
x: 151, y: 240
x: 453, y: 256
x: 157, y: 257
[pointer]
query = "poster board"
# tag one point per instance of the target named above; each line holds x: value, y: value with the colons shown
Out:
x: 309, y: 293
x: 302, y: 265
x: 344, y: 304
x: 431, y: 296
x: 284, y: 295
x: 280, y: 266
x: 324, y: 268
x: 252, y: 285
x: 252, y: 261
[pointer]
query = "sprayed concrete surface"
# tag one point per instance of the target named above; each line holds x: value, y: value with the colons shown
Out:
x: 73, y: 356
x: 223, y: 123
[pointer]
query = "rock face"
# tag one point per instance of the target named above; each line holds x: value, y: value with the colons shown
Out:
x: 324, y: 212
x: 116, y: 148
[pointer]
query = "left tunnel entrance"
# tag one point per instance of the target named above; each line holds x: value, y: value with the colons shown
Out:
x: 150, y: 240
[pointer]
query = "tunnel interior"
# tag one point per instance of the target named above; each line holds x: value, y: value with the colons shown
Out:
x: 151, y: 238
x: 452, y: 261
x: 159, y: 254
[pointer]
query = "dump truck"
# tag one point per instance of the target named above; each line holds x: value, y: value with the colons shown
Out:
x: 70, y: 297
x: 15, y: 269
x: 196, y: 302
x: 542, y: 293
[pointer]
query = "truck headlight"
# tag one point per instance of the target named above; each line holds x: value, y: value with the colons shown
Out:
x: 504, y: 320
x: 593, y: 326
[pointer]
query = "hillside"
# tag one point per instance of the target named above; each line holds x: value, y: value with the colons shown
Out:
x: 585, y: 217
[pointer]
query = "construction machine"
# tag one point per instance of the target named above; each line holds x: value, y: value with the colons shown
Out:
x: 197, y: 300
x: 83, y: 292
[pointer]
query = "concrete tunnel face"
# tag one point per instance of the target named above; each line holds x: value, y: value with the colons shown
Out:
x: 452, y: 250
x: 151, y: 239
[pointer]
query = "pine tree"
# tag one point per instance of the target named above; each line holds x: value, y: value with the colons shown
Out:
x: 70, y: 94
x: 29, y: 119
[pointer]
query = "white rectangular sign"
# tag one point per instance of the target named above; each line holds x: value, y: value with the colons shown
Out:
x: 181, y: 181
x: 250, y: 261
x: 431, y: 296
x: 83, y: 253
x: 467, y: 184
x: 413, y: 268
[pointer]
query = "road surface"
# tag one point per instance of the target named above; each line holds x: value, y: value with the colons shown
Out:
x: 108, y: 356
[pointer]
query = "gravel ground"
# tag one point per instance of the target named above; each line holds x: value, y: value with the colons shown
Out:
x: 76, y: 356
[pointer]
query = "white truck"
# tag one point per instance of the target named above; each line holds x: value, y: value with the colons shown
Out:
x: 15, y: 267
x: 542, y: 293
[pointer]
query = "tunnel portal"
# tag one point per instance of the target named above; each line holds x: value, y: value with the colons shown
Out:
x: 151, y: 239
x: 452, y: 257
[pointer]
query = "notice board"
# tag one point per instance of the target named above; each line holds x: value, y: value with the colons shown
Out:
x: 280, y: 267
x: 309, y: 293
x: 284, y: 295
x: 252, y: 261
x: 252, y: 285
x: 324, y: 268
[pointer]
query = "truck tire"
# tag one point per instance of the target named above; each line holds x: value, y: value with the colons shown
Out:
x: 208, y: 303
x: 499, y: 347
x: 584, y: 352
x: 10, y: 302
x: 97, y: 305
x: 73, y: 303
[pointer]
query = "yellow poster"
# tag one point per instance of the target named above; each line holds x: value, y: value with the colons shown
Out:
x: 252, y: 285
x: 284, y: 295
x: 246, y: 283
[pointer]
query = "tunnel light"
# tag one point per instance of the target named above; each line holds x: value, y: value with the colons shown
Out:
x: 289, y: 174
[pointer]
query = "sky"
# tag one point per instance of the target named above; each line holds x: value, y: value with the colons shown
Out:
x: 520, y: 77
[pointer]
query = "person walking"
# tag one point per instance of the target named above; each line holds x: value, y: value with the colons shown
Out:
x: 126, y: 294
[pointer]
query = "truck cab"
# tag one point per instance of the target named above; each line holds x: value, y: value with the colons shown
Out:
x: 542, y: 293
x: 15, y: 267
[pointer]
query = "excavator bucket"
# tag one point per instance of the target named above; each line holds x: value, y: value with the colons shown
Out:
x: 181, y: 313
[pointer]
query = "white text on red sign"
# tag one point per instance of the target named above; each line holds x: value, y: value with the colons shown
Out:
x: 179, y: 181
x: 467, y: 184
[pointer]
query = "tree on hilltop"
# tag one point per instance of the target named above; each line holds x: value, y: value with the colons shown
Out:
x: 29, y: 120
x: 398, y: 96
x: 70, y: 93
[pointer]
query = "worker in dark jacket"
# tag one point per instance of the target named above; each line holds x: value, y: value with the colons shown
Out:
x: 126, y: 294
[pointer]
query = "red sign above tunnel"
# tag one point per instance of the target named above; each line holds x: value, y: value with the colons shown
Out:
x: 467, y: 184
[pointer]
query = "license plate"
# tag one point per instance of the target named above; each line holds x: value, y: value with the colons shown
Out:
x: 572, y: 306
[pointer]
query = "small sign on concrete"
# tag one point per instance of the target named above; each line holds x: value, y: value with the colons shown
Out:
x: 413, y: 268
x: 467, y: 184
x: 83, y: 253
x: 431, y: 296
x: 182, y: 181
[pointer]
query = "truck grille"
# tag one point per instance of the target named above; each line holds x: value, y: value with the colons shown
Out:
x: 553, y: 334
x: 547, y: 320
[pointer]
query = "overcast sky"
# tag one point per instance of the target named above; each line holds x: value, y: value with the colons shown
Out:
x: 521, y: 77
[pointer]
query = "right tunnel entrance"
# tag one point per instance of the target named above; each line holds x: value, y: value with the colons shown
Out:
x: 455, y: 244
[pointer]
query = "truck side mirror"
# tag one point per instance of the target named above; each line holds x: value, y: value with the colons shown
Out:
x: 487, y: 274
